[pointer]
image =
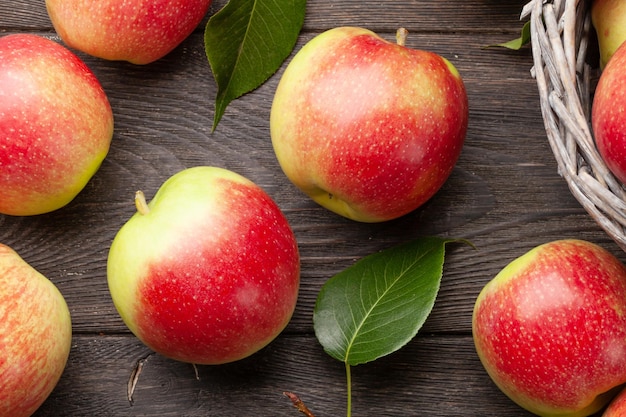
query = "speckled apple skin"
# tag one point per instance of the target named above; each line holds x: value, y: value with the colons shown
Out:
x: 35, y: 336
x: 211, y: 274
x: 368, y: 128
x: 56, y: 125
x: 138, y: 31
x: 550, y: 328
x: 608, y: 117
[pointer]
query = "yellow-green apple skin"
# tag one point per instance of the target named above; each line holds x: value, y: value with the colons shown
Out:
x: 369, y: 129
x: 608, y: 114
x: 208, y: 272
x: 609, y: 20
x: 137, y: 31
x: 35, y: 336
x: 56, y: 125
x: 550, y: 328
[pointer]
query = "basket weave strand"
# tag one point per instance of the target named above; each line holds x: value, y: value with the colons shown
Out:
x: 560, y: 33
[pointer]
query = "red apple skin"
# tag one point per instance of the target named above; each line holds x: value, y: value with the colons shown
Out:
x: 35, y: 336
x: 137, y: 31
x: 550, y: 328
x: 56, y: 125
x: 368, y: 128
x: 211, y: 274
x: 608, y: 116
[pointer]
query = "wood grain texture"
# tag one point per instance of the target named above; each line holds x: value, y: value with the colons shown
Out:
x: 505, y: 195
x: 413, y: 382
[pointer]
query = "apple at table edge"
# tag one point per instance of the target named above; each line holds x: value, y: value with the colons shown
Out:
x: 550, y: 330
x: 36, y: 335
x: 137, y: 31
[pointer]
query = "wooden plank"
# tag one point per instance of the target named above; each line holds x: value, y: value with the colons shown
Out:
x: 429, y: 376
x: 415, y: 15
x: 505, y: 195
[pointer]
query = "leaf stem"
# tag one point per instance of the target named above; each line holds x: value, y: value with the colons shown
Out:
x: 349, y: 389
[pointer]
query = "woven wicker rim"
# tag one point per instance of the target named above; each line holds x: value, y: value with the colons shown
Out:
x: 560, y: 36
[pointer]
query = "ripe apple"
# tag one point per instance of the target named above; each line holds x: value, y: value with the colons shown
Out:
x: 209, y: 271
x: 138, y: 31
x: 617, y: 406
x: 56, y: 125
x: 550, y: 328
x: 35, y: 336
x: 368, y: 128
x: 608, y: 115
x: 609, y: 21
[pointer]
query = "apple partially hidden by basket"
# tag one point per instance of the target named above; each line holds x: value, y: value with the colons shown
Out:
x: 608, y: 118
x: 560, y: 36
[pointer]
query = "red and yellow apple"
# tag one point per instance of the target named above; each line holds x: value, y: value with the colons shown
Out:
x: 138, y: 31
x: 609, y: 21
x: 608, y: 116
x: 369, y: 129
x: 207, y: 272
x: 56, y: 125
x: 550, y: 328
x: 35, y: 336
x: 617, y: 406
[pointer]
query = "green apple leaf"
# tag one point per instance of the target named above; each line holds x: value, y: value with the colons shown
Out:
x: 378, y: 305
x: 246, y: 42
x: 518, y: 43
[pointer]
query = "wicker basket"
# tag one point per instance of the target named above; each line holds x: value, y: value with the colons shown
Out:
x: 560, y: 35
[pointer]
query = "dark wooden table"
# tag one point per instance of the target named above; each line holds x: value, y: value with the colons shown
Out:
x: 505, y: 195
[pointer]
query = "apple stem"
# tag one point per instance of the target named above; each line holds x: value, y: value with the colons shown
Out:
x: 140, y: 203
x: 401, y: 35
